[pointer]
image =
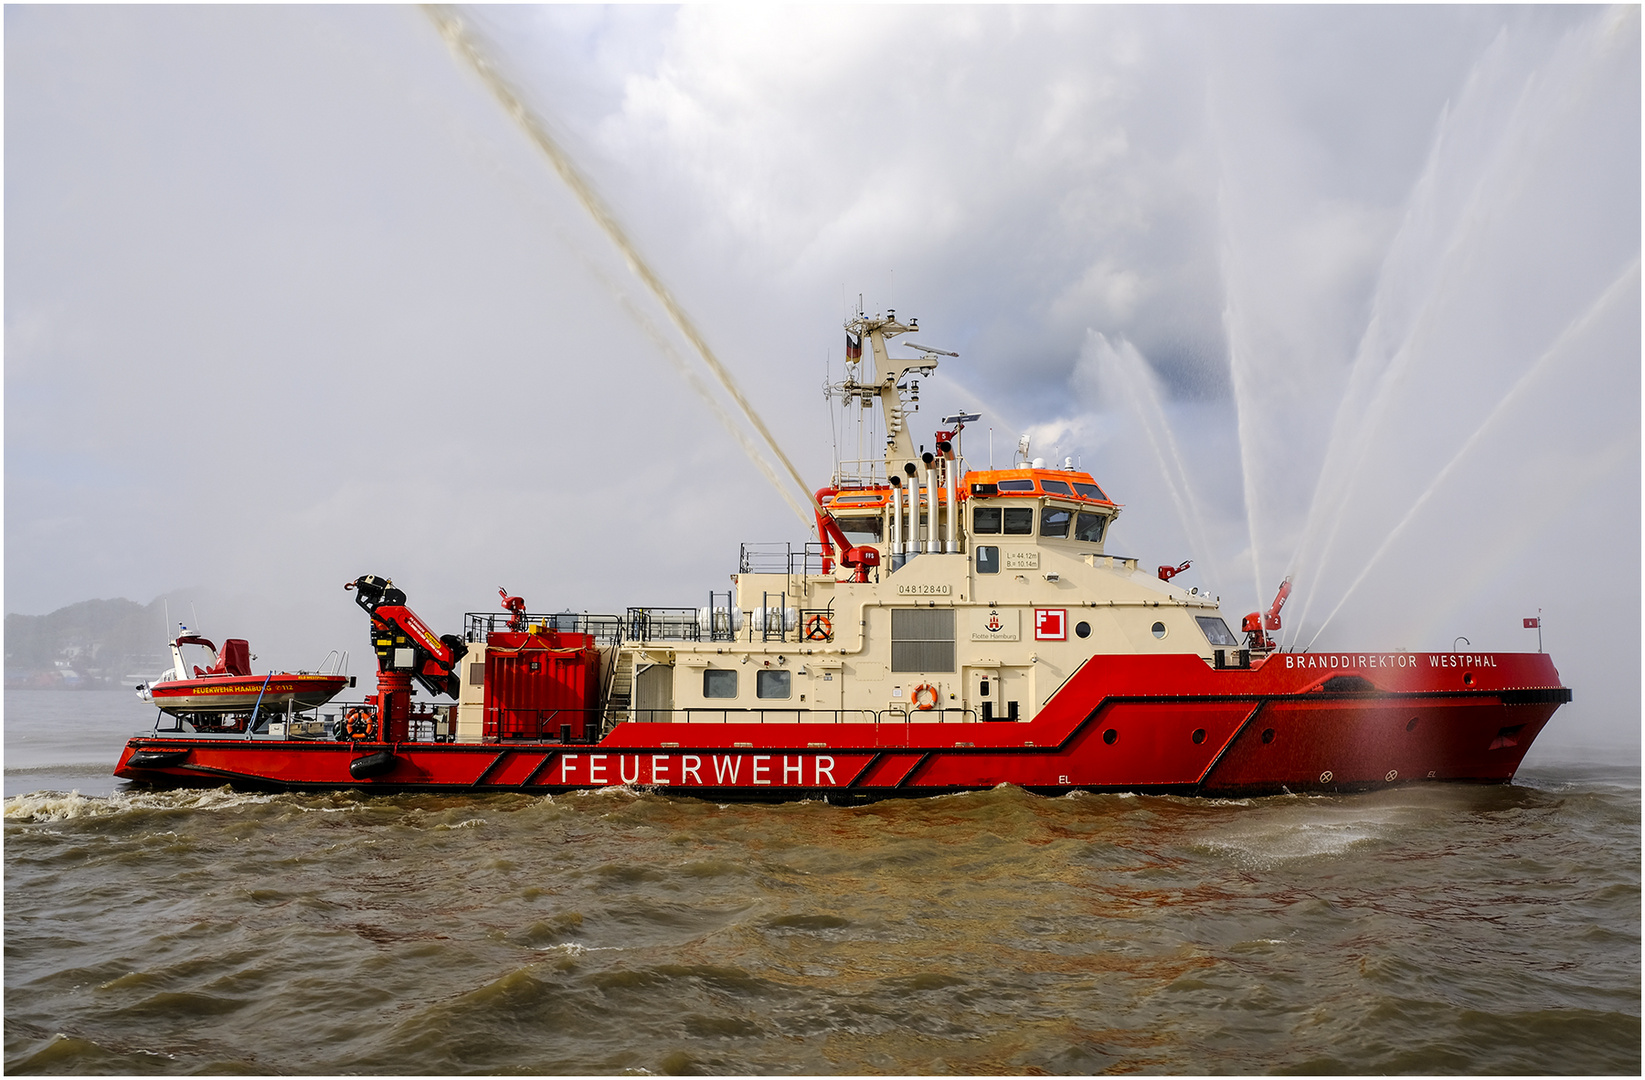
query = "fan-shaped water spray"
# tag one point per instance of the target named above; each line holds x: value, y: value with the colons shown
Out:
x: 1626, y: 285
x: 1507, y: 248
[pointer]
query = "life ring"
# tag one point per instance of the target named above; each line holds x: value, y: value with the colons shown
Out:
x: 360, y: 725
x: 926, y: 706
x: 819, y: 628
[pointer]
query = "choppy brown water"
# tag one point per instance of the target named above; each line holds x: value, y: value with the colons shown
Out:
x: 1423, y: 929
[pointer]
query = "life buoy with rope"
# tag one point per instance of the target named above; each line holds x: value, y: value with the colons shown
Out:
x: 926, y: 688
x: 360, y: 725
x: 819, y: 628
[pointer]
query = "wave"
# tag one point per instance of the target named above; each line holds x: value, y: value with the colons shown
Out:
x: 45, y: 806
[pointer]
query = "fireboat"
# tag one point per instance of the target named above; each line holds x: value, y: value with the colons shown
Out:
x: 948, y: 629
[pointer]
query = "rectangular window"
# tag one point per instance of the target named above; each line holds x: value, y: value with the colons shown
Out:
x: 1089, y: 528
x: 1216, y: 631
x: 1054, y: 521
x: 985, y: 519
x: 1090, y: 491
x: 863, y: 530
x: 1055, y: 487
x: 719, y: 683
x: 988, y: 560
x: 773, y: 684
x: 1016, y: 485
x: 922, y: 639
x: 1019, y: 521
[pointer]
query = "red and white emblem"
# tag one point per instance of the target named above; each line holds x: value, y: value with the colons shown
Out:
x: 1050, y: 624
x: 994, y: 623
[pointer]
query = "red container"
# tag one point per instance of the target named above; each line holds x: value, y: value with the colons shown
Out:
x: 541, y: 686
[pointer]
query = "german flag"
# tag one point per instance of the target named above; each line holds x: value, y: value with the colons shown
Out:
x: 853, y: 347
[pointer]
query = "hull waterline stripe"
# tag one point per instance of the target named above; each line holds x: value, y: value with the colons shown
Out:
x: 478, y: 780
x: 538, y: 768
x: 1229, y: 745
x: 918, y: 765
x: 873, y: 761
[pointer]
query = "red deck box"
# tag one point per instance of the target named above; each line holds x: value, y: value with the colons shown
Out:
x: 541, y: 685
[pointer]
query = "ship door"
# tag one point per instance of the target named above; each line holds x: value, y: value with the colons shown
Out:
x: 983, y: 697
x: 654, y: 693
x: 1013, y: 693
x: 827, y: 689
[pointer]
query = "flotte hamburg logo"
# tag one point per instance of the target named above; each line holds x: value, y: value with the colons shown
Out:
x: 994, y: 622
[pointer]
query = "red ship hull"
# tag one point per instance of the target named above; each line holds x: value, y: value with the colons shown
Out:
x: 1297, y: 723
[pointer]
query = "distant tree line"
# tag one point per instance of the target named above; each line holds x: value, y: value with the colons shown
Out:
x: 95, y: 644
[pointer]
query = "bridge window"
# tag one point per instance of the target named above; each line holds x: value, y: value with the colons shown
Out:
x: 863, y: 530
x: 988, y: 560
x: 1216, y: 631
x: 773, y: 684
x: 1054, y: 521
x: 1090, y: 491
x: 985, y: 519
x: 922, y: 639
x: 1089, y: 528
x: 1055, y: 487
x: 1016, y: 485
x: 1019, y: 520
x: 719, y: 683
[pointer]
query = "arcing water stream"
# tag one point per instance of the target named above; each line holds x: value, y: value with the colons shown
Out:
x: 468, y: 48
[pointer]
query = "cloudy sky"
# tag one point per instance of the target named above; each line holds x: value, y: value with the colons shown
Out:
x: 1349, y: 294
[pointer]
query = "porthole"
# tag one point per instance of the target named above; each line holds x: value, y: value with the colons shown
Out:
x: 1082, y: 629
x: 1159, y: 629
x: 1110, y: 736
x: 1199, y: 735
x: 1468, y: 679
x: 1268, y: 735
x: 1412, y: 726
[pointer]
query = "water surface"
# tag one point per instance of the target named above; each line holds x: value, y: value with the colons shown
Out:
x: 1422, y: 929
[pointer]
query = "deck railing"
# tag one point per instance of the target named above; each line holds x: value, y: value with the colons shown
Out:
x: 803, y: 716
x: 604, y: 629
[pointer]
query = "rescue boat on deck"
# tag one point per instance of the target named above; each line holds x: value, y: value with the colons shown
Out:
x: 948, y: 628
x: 228, y: 685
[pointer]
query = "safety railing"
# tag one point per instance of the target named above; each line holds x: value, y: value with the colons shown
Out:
x: 780, y: 558
x: 803, y: 716
x: 662, y: 624
x: 555, y: 725
x: 604, y: 629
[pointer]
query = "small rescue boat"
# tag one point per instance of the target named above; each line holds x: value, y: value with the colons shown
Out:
x: 228, y: 685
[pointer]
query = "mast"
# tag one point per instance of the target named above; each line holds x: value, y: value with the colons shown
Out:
x: 894, y: 381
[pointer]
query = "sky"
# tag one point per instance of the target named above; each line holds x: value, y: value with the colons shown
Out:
x: 1345, y: 294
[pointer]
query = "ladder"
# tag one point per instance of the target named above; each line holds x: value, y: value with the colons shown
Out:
x: 620, y: 690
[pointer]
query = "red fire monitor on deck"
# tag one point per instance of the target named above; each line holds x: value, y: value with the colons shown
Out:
x: 1254, y: 624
